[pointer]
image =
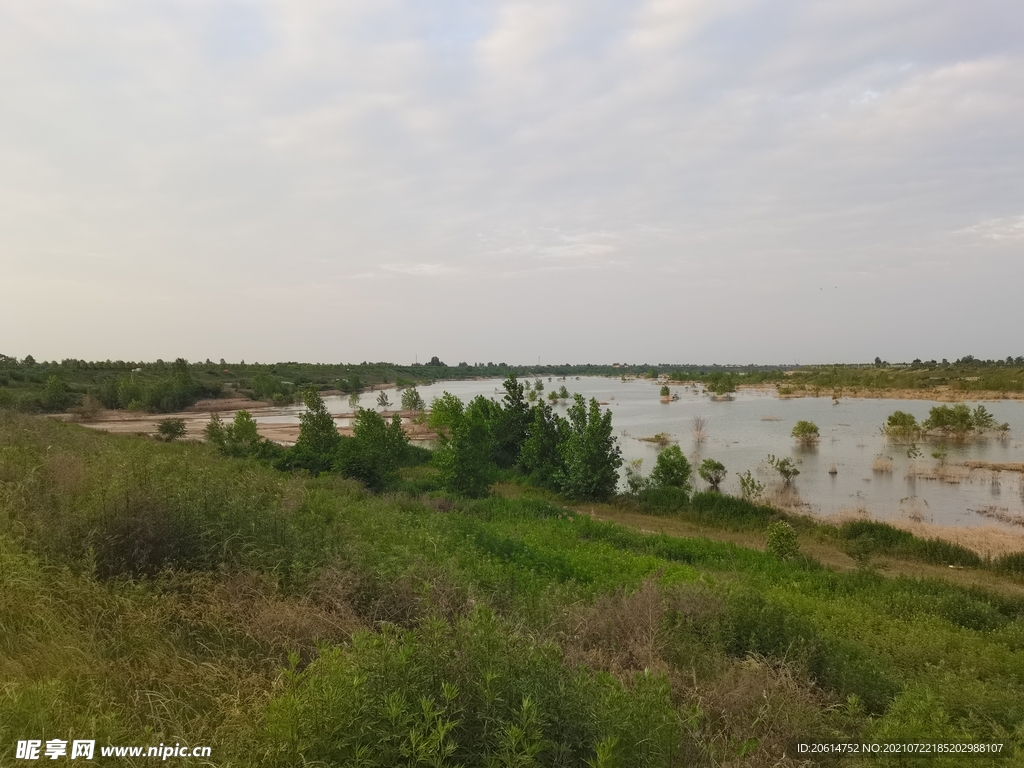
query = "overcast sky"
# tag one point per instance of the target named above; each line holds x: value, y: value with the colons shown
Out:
x: 577, y: 181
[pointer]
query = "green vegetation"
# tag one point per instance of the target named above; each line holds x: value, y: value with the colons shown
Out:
x: 666, y: 392
x: 958, y: 422
x: 26, y: 384
x: 163, y: 592
x: 782, y: 541
x: 901, y: 426
x: 412, y: 401
x: 965, y: 376
x: 721, y: 384
x: 806, y: 432
x: 750, y: 489
x: 785, y: 467
x: 170, y: 429
x: 712, y: 472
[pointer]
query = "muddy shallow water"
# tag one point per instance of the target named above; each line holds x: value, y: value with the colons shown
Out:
x: 741, y: 433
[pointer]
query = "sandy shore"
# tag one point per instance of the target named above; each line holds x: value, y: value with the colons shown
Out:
x: 198, y: 416
x: 936, y: 394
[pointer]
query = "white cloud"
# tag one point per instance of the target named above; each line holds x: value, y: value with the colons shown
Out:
x: 583, y: 152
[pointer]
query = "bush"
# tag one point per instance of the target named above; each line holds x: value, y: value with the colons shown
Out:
x: 785, y: 467
x: 806, y: 432
x: 719, y: 509
x: 665, y: 500
x: 672, y: 470
x: 712, y: 472
x: 1010, y: 564
x: 782, y: 541
x: 170, y: 430
x: 869, y: 537
x: 472, y: 693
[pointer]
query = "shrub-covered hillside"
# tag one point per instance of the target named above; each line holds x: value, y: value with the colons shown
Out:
x: 166, y: 593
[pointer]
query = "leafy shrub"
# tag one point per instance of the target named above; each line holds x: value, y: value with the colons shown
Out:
x: 806, y: 432
x: 901, y: 426
x: 712, y: 472
x: 1010, y: 564
x: 672, y: 469
x: 751, y: 489
x: 782, y: 541
x: 785, y: 467
x: 665, y: 500
x: 472, y: 693
x: 170, y: 429
x: 869, y: 537
x: 719, y: 508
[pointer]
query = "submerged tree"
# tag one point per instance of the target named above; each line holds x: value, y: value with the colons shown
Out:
x: 712, y: 472
x: 806, y: 432
x: 785, y: 467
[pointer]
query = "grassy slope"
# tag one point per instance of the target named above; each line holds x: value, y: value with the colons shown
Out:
x: 99, y: 637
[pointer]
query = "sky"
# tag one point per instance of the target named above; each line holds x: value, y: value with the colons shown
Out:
x: 730, y: 181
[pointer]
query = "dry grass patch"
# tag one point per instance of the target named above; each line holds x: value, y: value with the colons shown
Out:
x: 882, y: 464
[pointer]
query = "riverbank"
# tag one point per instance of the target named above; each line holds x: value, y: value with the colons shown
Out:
x: 935, y: 394
x: 198, y: 416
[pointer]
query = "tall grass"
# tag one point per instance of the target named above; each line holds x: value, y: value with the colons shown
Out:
x: 154, y: 592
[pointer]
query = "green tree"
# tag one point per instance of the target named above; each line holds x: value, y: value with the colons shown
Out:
x: 712, y: 472
x: 445, y: 412
x: 170, y: 430
x: 672, y: 470
x: 510, y: 428
x: 665, y: 391
x: 318, y: 436
x: 590, y: 454
x: 806, y: 432
x: 55, y: 397
x: 540, y: 456
x: 720, y: 383
x: 382, y: 399
x: 463, y: 459
x: 412, y: 401
x: 375, y: 450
